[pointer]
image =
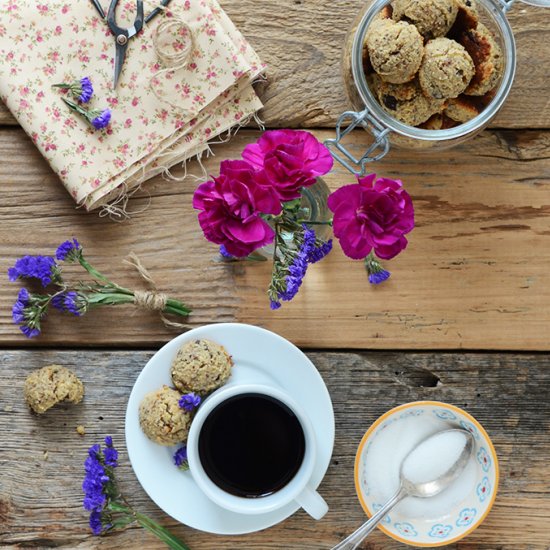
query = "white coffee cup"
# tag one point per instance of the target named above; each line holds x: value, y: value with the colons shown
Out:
x: 298, y: 489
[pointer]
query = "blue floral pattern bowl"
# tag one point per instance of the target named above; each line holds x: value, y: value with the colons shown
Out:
x: 443, y: 519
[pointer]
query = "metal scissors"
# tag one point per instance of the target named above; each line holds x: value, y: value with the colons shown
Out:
x: 122, y: 36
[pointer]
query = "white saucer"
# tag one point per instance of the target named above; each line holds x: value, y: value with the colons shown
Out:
x: 260, y: 356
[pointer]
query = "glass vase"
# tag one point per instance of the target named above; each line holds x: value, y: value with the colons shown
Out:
x: 313, y: 211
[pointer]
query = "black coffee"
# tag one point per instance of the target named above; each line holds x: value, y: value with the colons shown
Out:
x: 251, y: 445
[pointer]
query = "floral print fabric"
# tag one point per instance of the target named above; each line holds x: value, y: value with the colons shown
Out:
x: 50, y: 41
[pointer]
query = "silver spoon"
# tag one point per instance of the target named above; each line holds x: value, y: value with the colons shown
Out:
x: 408, y: 488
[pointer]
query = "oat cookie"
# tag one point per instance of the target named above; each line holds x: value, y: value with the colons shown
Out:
x: 50, y: 385
x: 395, y: 50
x: 464, y: 107
x: 439, y: 121
x: 432, y: 18
x: 467, y: 17
x: 201, y: 366
x: 487, y: 57
x: 161, y: 418
x: 406, y: 102
x: 446, y: 69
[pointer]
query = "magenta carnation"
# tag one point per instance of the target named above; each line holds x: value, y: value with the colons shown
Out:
x: 231, y: 206
x: 289, y: 159
x: 372, y: 214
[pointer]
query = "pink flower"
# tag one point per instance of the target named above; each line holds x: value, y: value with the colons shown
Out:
x: 372, y: 214
x: 290, y: 159
x: 231, y: 205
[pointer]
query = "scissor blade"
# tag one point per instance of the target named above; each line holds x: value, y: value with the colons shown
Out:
x: 120, y: 55
x: 99, y: 8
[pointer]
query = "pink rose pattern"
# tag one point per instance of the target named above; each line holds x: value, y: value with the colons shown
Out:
x: 50, y: 41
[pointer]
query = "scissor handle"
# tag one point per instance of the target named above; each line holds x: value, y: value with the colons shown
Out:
x: 131, y: 31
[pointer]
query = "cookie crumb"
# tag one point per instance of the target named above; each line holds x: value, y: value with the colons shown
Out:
x: 46, y: 455
x: 8, y: 408
x: 80, y: 430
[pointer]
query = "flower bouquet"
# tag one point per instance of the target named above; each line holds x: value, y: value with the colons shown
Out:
x: 77, y: 298
x: 265, y: 203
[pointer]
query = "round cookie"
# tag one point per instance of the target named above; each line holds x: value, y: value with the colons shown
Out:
x: 395, y: 50
x: 446, y: 69
x: 201, y: 366
x: 467, y: 17
x: 438, y: 122
x: 464, y: 107
x: 405, y: 102
x: 161, y: 418
x: 50, y: 385
x: 432, y: 18
x: 487, y: 57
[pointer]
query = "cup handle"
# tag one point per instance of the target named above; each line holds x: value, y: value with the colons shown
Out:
x: 312, y: 502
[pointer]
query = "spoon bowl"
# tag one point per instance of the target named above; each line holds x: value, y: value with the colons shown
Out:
x: 432, y: 487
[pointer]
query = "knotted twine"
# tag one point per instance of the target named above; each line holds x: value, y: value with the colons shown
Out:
x: 151, y: 300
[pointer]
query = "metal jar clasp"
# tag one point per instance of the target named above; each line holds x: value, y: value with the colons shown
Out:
x: 347, y: 122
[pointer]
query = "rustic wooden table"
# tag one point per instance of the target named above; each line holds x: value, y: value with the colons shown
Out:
x: 475, y: 277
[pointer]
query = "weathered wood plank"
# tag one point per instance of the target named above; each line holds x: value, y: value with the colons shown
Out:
x: 40, y: 500
x: 302, y: 43
x: 475, y: 274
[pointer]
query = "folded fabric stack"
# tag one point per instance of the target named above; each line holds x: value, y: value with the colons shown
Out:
x: 159, y: 117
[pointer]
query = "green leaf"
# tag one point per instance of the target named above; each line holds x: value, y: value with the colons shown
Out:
x: 256, y: 257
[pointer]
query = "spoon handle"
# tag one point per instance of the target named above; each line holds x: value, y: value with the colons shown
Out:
x: 355, y: 539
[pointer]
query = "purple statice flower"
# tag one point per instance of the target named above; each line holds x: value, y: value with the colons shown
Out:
x: 379, y: 277
x: 68, y: 250
x: 86, y: 90
x: 225, y: 253
x: 319, y: 252
x: 180, y: 457
x: 298, y: 268
x: 42, y: 268
x: 29, y: 332
x: 96, y: 523
x: 80, y: 89
x: 99, y: 119
x: 23, y: 316
x: 97, y: 484
x: 18, y: 309
x: 95, y: 480
x: 70, y: 301
x: 190, y: 401
x: 274, y: 304
x: 377, y: 274
x: 110, y: 454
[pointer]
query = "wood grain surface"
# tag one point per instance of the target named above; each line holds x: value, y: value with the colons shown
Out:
x: 302, y: 41
x: 475, y: 274
x: 40, y: 499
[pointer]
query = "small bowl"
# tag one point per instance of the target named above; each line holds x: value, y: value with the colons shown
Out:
x: 445, y: 518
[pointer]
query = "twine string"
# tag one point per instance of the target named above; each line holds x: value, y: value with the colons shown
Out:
x: 151, y: 300
x: 173, y: 59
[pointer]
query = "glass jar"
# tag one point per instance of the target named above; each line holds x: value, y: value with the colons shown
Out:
x: 385, y: 129
x: 313, y: 210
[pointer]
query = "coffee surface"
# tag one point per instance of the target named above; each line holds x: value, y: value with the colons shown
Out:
x: 251, y: 445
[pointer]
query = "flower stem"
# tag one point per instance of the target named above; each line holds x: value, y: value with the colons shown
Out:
x: 308, y: 222
x: 92, y: 270
x: 75, y: 107
x: 163, y: 534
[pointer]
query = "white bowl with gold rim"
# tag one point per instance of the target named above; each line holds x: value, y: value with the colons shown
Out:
x: 436, y: 521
